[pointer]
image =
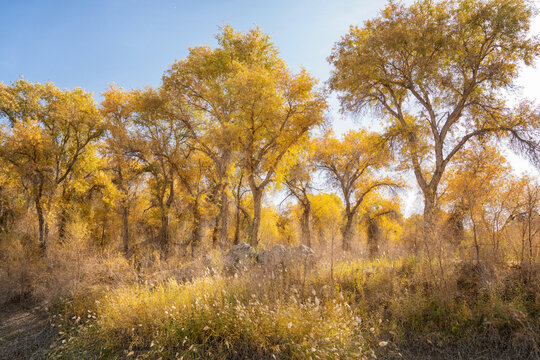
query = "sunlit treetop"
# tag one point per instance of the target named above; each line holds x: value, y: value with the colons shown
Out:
x: 438, y: 73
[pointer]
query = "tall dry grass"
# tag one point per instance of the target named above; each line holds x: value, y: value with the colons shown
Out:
x: 385, y: 308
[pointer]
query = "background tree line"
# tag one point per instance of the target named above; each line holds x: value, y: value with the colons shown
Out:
x: 186, y: 167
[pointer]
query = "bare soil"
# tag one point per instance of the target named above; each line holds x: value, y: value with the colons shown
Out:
x: 25, y: 331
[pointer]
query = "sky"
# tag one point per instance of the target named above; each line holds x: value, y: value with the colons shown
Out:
x: 94, y: 43
x: 131, y: 42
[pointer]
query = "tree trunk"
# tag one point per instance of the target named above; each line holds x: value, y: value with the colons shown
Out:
x: 257, y: 206
x: 305, y: 225
x: 196, y: 234
x: 224, y: 214
x: 125, y: 229
x: 429, y: 218
x: 475, y: 239
x: 42, y: 242
x: 62, y: 222
x: 165, y: 210
x: 236, y: 239
x: 347, y: 231
x: 163, y: 237
x: 530, y: 236
x: 42, y: 221
x: 215, y: 231
x: 102, y: 237
x: 429, y: 227
x: 373, y: 238
x: 63, y: 217
x: 238, y: 198
x: 222, y: 164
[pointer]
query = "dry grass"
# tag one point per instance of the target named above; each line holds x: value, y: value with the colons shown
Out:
x: 104, y: 306
x: 388, y: 309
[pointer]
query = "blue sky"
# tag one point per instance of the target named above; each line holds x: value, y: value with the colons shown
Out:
x: 131, y: 42
x: 93, y: 43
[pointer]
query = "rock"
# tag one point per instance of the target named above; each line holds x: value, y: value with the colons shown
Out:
x: 299, y: 255
x: 272, y: 258
x: 200, y: 267
x: 280, y: 257
x: 238, y: 257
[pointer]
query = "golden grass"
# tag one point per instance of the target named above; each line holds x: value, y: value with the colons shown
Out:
x: 386, y: 308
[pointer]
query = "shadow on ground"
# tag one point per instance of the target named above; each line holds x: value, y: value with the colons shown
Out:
x: 25, y: 331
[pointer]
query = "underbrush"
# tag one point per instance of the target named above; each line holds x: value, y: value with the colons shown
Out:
x: 212, y: 317
x: 64, y: 269
x: 384, y: 309
x: 492, y: 318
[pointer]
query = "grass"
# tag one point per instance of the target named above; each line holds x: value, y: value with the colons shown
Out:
x: 385, y: 309
x: 212, y: 318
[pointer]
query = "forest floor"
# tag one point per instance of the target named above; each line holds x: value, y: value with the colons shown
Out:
x: 25, y: 331
x: 385, y: 309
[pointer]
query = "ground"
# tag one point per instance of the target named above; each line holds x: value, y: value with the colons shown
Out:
x: 24, y: 331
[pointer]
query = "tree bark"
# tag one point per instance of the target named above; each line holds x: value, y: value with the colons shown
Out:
x: 475, y: 238
x: 238, y: 200
x: 215, y: 231
x: 63, y: 217
x: 373, y: 238
x: 429, y: 227
x: 42, y: 242
x: 196, y: 234
x: 347, y: 231
x: 257, y: 207
x: 224, y: 215
x: 164, y: 229
x: 42, y: 221
x: 62, y: 222
x: 125, y: 229
x: 163, y: 236
x: 429, y: 218
x: 222, y: 163
x: 305, y: 224
x: 236, y: 239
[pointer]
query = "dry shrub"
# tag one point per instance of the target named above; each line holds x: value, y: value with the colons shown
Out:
x: 19, y: 265
x: 215, y: 317
x: 71, y: 266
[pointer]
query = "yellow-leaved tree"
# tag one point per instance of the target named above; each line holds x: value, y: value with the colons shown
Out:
x: 353, y: 165
x: 247, y: 104
x: 49, y: 131
x: 437, y: 72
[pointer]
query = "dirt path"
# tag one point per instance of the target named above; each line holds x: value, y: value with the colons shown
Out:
x: 24, y: 332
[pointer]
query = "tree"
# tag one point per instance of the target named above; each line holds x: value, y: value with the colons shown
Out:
x: 118, y: 111
x: 528, y: 215
x: 193, y: 172
x: 202, y: 81
x: 351, y: 165
x: 378, y: 214
x: 160, y: 144
x: 299, y: 184
x: 327, y: 213
x: 277, y: 110
x: 49, y: 131
x: 438, y: 73
x: 257, y: 107
x: 474, y: 179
